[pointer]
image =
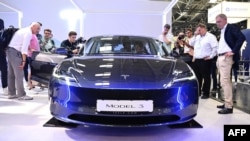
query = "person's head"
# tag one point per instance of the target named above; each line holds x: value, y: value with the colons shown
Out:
x: 47, y: 33
x: 35, y: 27
x: 221, y: 20
x: 72, y: 36
x: 166, y: 28
x: 40, y: 23
x: 126, y: 44
x: 40, y: 26
x: 139, y: 47
x: 201, y: 29
x: 189, y: 32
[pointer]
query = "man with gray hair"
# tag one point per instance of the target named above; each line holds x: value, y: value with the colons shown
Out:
x: 16, y: 54
x: 231, y: 40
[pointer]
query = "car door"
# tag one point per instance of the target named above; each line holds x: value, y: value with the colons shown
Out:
x: 42, y: 65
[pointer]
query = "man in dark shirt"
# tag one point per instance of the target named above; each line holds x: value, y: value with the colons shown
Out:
x: 70, y: 44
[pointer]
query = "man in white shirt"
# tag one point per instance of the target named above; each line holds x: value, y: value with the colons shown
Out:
x: 205, y: 48
x: 167, y: 37
x: 189, y: 38
x: 230, y: 42
x: 16, y: 54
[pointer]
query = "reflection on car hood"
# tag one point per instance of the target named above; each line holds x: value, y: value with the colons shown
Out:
x: 123, y: 72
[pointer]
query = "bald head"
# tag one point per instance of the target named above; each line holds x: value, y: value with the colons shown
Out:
x: 35, y: 27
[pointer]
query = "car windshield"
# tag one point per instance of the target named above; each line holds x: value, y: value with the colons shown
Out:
x: 121, y: 45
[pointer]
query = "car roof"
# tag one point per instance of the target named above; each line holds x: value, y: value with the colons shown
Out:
x: 116, y: 35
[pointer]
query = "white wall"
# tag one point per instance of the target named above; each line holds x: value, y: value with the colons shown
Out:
x: 88, y: 18
x: 45, y: 11
x: 122, y: 23
x: 10, y: 18
x: 131, y: 17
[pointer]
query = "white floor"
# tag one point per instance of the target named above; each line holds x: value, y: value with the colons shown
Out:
x: 23, y: 121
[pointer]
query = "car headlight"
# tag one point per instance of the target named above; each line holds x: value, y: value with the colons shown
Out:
x: 63, y: 74
x: 180, y: 75
x: 183, y: 72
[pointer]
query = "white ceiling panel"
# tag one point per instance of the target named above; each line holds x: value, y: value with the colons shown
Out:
x: 4, y: 8
x: 121, y: 6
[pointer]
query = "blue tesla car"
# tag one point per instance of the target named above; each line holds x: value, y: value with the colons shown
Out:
x: 118, y: 81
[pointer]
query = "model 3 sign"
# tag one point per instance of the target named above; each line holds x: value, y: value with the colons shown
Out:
x: 124, y: 106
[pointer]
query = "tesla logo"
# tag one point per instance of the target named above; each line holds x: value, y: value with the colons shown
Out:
x: 125, y: 76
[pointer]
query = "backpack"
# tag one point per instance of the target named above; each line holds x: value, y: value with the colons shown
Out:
x: 52, y: 42
x: 6, y: 36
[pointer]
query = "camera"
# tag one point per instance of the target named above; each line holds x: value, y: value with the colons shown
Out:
x: 181, y: 37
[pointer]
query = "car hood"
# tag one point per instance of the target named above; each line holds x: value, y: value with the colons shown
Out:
x: 120, y: 72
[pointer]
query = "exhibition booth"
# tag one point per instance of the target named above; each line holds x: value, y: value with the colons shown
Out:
x: 235, y: 11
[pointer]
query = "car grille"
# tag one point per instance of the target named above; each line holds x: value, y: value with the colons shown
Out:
x: 164, y: 100
x: 125, y: 113
x: 89, y: 96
